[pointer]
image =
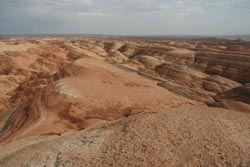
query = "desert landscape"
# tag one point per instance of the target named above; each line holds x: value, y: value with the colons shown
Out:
x: 123, y: 101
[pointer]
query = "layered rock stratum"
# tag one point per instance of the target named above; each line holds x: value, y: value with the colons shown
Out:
x: 124, y: 102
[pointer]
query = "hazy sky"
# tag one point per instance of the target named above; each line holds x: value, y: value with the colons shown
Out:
x: 126, y: 17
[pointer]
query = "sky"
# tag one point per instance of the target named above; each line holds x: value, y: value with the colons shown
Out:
x: 125, y: 17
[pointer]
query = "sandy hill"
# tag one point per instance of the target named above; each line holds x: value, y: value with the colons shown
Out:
x: 175, y: 137
x: 109, y: 102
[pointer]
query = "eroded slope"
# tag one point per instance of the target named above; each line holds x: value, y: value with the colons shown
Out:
x: 175, y: 137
